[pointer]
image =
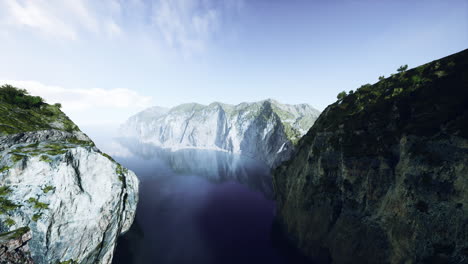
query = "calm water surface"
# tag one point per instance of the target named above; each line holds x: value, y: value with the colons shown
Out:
x: 200, y: 207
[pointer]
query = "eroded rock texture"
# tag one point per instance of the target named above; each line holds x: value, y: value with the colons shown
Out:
x: 382, y: 176
x: 75, y: 199
x: 14, y: 247
x: 265, y: 131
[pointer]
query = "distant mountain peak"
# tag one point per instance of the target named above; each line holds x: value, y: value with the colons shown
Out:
x: 266, y: 130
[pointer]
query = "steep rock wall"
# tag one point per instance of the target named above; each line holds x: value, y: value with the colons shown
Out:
x: 382, y: 176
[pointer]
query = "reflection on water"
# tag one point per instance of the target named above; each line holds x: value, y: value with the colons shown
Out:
x: 199, y: 207
x: 216, y: 166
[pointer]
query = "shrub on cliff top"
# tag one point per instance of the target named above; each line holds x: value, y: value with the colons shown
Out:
x: 20, y: 97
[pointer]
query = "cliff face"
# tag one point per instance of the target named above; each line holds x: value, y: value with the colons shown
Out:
x: 265, y: 130
x: 75, y: 199
x: 14, y: 247
x: 382, y: 176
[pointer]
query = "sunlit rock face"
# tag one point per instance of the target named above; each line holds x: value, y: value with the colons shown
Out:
x: 382, y: 176
x: 73, y: 199
x: 266, y: 130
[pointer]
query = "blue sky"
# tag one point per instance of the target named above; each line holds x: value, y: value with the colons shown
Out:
x: 105, y: 60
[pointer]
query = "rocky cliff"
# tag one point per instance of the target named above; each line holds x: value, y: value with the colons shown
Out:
x: 14, y: 246
x: 382, y: 176
x: 265, y: 130
x: 75, y: 199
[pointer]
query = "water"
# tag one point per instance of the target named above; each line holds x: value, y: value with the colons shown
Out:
x: 200, y: 206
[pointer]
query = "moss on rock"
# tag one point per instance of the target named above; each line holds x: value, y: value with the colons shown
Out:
x: 381, y: 175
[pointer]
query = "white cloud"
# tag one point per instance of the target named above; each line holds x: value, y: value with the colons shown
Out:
x: 36, y: 15
x: 89, y: 105
x: 185, y: 25
x: 189, y: 24
x: 59, y: 18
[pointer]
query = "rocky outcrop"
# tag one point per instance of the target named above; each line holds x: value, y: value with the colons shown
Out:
x: 382, y: 176
x: 14, y: 248
x: 75, y: 199
x: 266, y: 130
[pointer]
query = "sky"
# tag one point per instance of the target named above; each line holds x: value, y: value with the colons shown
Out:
x: 106, y: 60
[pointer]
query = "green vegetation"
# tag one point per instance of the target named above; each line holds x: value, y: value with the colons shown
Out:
x: 48, y: 188
x: 55, y: 149
x: 15, y: 233
x: 381, y: 78
x: 107, y: 156
x: 22, y: 112
x: 121, y: 171
x: 40, y: 205
x: 341, y: 95
x: 45, y: 158
x: 284, y: 115
x: 36, y: 217
x: 188, y: 107
x: 382, y: 112
x: 9, y: 222
x: 5, y: 204
x: 76, y: 141
x: 45, y: 150
x: 37, y: 204
x: 291, y: 133
x: 17, y: 157
x: 5, y: 190
x: 19, y: 97
x: 4, y: 168
x: 403, y: 68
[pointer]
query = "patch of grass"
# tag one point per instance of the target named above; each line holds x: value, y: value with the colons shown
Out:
x: 37, y: 204
x: 7, y: 205
x: 15, y: 233
x: 107, y: 156
x: 45, y: 158
x: 5, y: 190
x: 76, y: 141
x: 121, y: 171
x: 40, y: 205
x: 17, y: 157
x: 4, y: 168
x: 31, y: 200
x: 22, y: 112
x: 9, y: 222
x: 55, y: 149
x: 48, y: 188
x: 291, y: 133
x: 36, y: 217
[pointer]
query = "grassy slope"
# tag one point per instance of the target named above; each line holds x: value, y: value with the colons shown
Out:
x: 421, y: 102
x: 16, y: 116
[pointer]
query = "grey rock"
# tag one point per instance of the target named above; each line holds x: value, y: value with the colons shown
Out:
x: 382, y: 176
x: 14, y: 248
x: 75, y: 199
x: 266, y: 130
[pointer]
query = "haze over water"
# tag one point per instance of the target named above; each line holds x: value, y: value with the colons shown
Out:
x: 187, y: 214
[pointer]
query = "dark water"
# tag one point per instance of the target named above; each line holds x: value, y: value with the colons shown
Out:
x: 201, y: 207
